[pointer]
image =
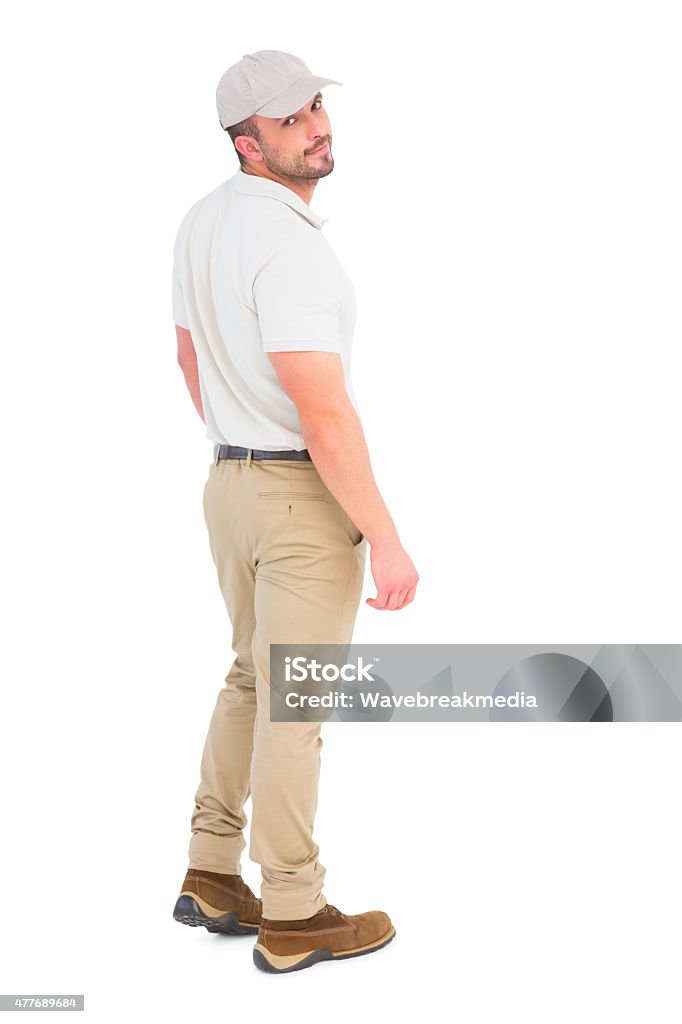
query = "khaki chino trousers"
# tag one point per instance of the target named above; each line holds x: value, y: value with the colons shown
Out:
x: 291, y: 567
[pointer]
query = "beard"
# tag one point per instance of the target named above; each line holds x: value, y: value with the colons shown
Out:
x: 286, y: 165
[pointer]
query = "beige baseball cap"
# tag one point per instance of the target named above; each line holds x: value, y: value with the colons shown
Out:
x: 269, y: 82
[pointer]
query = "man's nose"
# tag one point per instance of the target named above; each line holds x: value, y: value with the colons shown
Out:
x: 319, y: 126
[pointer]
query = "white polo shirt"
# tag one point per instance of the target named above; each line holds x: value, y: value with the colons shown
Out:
x: 253, y: 273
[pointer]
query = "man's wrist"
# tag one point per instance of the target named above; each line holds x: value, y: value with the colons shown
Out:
x: 384, y: 537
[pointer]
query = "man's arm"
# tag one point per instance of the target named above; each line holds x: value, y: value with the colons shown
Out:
x: 335, y: 439
x: 187, y: 359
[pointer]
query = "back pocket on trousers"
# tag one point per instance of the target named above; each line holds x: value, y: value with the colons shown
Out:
x: 356, y: 536
x: 292, y: 494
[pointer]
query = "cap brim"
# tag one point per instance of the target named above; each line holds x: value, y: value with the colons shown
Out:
x: 293, y: 98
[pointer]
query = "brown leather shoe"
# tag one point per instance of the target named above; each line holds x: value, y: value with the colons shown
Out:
x: 285, y: 946
x: 221, y: 903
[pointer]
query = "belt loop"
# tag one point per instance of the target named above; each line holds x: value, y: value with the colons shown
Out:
x: 216, y: 455
x: 249, y: 452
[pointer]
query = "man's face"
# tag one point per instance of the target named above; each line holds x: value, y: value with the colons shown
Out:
x: 288, y: 143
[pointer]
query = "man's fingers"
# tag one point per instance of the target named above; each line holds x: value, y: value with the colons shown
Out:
x: 392, y: 600
x: 387, y: 600
x: 380, y: 600
x: 409, y: 596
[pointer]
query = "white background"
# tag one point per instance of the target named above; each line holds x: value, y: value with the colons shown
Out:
x: 506, y: 199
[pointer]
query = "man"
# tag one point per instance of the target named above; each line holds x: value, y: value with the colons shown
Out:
x: 264, y: 317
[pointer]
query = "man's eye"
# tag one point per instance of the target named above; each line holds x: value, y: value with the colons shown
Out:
x: 292, y: 116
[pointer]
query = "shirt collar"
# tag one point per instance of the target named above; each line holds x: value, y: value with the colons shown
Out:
x: 254, y: 185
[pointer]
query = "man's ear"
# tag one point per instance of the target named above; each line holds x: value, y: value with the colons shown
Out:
x: 248, y: 148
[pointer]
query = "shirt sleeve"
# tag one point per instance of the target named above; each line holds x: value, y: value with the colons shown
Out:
x: 297, y: 293
x: 177, y: 300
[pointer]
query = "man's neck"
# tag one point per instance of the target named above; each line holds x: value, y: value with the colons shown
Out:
x: 303, y: 187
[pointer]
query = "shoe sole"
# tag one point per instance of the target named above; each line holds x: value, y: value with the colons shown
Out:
x: 271, y: 963
x: 189, y: 910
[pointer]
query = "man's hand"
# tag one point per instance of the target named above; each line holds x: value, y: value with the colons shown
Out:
x: 394, y: 574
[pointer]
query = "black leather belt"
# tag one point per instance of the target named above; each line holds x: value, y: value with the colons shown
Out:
x: 234, y: 451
